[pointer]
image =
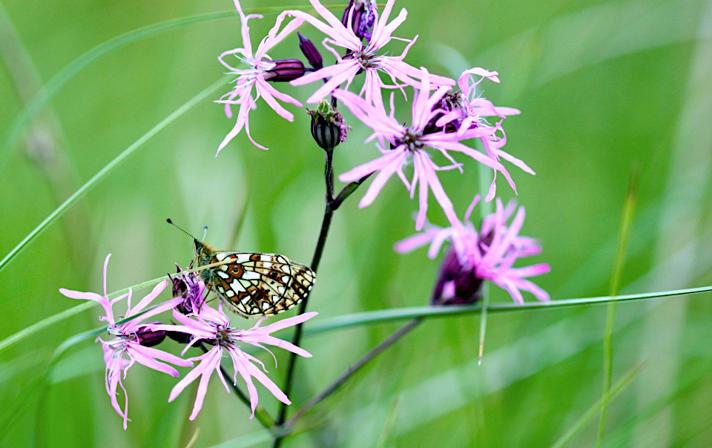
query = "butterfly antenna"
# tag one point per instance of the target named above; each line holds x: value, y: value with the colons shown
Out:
x: 205, y: 231
x: 170, y: 221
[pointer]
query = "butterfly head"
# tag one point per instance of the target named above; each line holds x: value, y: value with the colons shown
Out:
x: 203, y: 251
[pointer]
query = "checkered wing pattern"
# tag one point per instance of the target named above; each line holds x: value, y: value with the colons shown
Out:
x: 257, y: 284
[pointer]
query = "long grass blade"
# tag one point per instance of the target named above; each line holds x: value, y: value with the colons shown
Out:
x: 396, y: 314
x: 591, y: 412
x: 108, y: 168
x: 624, y: 234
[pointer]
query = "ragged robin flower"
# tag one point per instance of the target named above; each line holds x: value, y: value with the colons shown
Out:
x: 485, y: 255
x: 416, y: 142
x: 130, y: 339
x: 213, y: 328
x: 254, y: 70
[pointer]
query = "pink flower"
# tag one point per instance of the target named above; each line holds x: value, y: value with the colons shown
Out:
x: 400, y: 144
x: 213, y: 327
x: 469, y: 110
x: 485, y: 255
x: 125, y: 348
x: 368, y: 57
x: 257, y: 68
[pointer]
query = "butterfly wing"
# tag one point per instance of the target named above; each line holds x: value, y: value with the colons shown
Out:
x: 257, y: 284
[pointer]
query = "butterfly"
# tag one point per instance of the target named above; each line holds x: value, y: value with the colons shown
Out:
x: 253, y: 283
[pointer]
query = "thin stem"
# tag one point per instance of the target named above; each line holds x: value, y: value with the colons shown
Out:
x: 316, y: 260
x: 94, y: 180
x: 351, y: 371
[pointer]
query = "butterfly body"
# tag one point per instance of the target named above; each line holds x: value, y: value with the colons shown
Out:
x: 254, y: 284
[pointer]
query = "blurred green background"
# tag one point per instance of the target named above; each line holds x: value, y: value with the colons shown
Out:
x: 603, y: 86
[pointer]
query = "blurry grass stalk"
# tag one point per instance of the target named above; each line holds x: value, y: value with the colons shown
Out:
x: 43, y: 144
x: 607, y: 397
x: 623, y: 237
x: 108, y: 168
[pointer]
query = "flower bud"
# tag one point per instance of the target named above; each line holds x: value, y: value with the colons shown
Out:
x: 362, y: 17
x: 327, y: 126
x: 285, y: 70
x: 456, y: 285
x: 310, y: 52
x: 148, y: 337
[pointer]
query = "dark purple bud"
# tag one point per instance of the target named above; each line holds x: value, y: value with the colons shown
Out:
x: 328, y: 126
x: 455, y: 285
x: 310, y: 52
x: 285, y: 70
x: 360, y: 16
x: 148, y: 337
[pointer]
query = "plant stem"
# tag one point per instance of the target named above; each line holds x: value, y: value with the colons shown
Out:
x: 331, y: 205
x: 350, y: 371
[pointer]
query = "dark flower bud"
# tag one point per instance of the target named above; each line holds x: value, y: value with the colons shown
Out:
x: 285, y: 70
x: 310, y: 52
x: 362, y: 17
x: 327, y: 126
x: 456, y: 285
x: 148, y: 337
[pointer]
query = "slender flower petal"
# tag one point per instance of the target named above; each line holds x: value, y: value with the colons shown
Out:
x: 131, y: 339
x: 487, y: 255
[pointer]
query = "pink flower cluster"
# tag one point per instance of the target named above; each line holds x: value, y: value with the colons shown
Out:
x: 131, y: 339
x: 445, y: 113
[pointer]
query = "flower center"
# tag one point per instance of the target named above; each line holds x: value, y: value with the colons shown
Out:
x: 412, y: 140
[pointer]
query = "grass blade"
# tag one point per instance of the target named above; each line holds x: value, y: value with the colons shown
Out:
x: 396, y: 314
x: 624, y: 234
x: 94, y: 180
x: 591, y: 412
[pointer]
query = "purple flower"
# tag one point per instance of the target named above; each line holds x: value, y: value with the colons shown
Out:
x: 361, y: 57
x: 190, y: 287
x: 488, y: 255
x: 213, y: 327
x: 400, y: 144
x: 258, y: 68
x: 467, y: 110
x: 130, y: 339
